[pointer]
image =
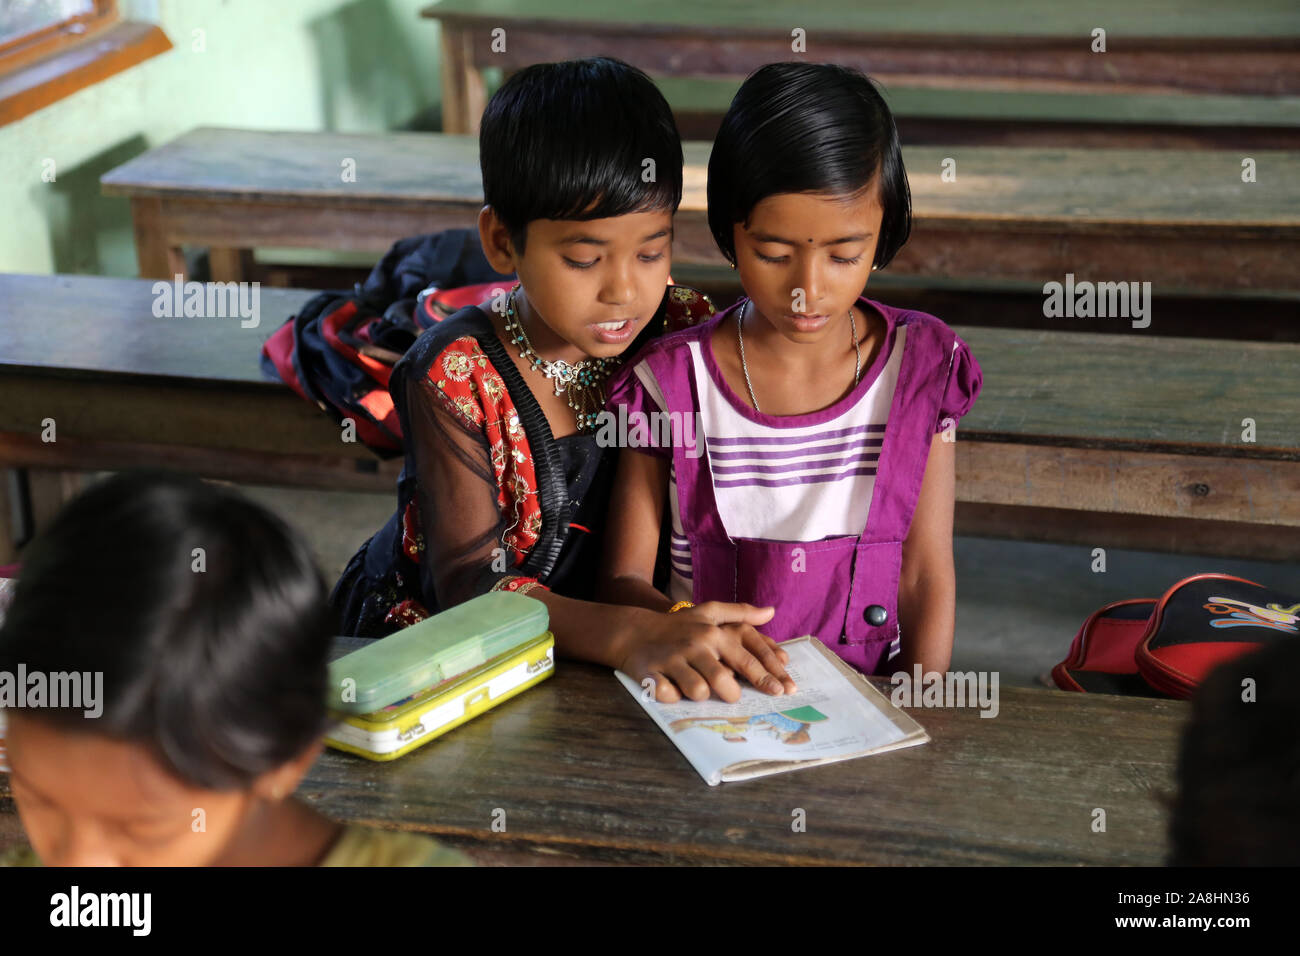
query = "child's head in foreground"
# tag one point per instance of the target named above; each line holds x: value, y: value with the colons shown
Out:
x: 807, y: 190
x: 1238, y: 799
x: 207, y: 619
x: 582, y: 172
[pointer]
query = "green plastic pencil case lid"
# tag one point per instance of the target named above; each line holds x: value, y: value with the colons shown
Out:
x: 436, y: 649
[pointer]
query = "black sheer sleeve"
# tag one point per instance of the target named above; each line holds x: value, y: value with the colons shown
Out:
x: 456, y: 490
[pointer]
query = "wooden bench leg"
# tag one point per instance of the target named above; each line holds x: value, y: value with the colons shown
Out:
x: 231, y: 265
x: 157, y: 259
x: 12, y: 514
x: 464, y: 94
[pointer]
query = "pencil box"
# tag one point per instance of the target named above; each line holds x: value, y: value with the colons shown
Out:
x: 399, y: 728
x: 436, y: 649
x: 1103, y: 654
x: 1167, y: 646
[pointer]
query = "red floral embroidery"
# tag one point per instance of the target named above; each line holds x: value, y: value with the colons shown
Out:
x: 686, y: 307
x: 406, y: 613
x: 412, y: 536
x: 474, y: 392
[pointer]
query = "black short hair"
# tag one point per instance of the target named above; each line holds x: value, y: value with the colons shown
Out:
x: 222, y: 671
x: 570, y: 140
x: 1238, y: 773
x: 807, y: 127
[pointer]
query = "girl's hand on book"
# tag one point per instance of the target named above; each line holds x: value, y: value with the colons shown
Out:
x: 699, y: 651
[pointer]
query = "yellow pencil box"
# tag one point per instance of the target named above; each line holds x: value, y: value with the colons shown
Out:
x: 390, y: 732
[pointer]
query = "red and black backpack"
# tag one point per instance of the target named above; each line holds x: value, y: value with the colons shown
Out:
x: 1166, y: 647
x: 339, y: 350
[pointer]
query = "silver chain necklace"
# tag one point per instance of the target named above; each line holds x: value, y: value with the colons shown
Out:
x: 740, y: 336
x: 584, y: 382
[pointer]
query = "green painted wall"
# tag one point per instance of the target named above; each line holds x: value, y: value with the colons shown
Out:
x: 358, y: 66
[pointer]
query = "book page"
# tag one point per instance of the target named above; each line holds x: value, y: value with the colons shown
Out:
x: 828, y: 718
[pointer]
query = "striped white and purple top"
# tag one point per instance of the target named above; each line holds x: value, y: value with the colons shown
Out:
x: 782, y: 482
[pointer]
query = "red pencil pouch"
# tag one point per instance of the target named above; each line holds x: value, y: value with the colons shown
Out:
x: 1102, y: 658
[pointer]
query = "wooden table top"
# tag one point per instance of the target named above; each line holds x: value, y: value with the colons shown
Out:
x: 1120, y: 390
x: 955, y: 18
x: 582, y: 773
x: 249, y: 165
x: 584, y: 776
x: 1108, y: 192
x: 88, y: 352
x: 118, y: 336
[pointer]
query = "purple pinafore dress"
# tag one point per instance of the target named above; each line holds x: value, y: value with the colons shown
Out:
x: 842, y: 589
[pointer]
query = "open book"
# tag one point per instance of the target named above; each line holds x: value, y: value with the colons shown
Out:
x: 835, y: 715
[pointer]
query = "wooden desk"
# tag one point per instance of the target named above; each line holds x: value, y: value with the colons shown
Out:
x: 1116, y: 423
x: 1191, y: 46
x: 584, y: 776
x: 125, y: 388
x: 1181, y: 220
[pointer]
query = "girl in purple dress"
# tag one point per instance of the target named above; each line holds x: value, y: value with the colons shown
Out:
x: 820, y: 477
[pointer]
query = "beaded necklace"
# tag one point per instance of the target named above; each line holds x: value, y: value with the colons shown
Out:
x: 583, y: 382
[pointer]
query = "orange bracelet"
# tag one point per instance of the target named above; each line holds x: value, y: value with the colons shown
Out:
x: 518, y: 584
x: 679, y: 605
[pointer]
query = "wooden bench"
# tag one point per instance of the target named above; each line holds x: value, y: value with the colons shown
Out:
x: 1183, y: 221
x: 125, y: 388
x: 1052, y: 120
x: 585, y: 777
x: 998, y: 45
x: 1118, y: 423
x: 1124, y: 423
